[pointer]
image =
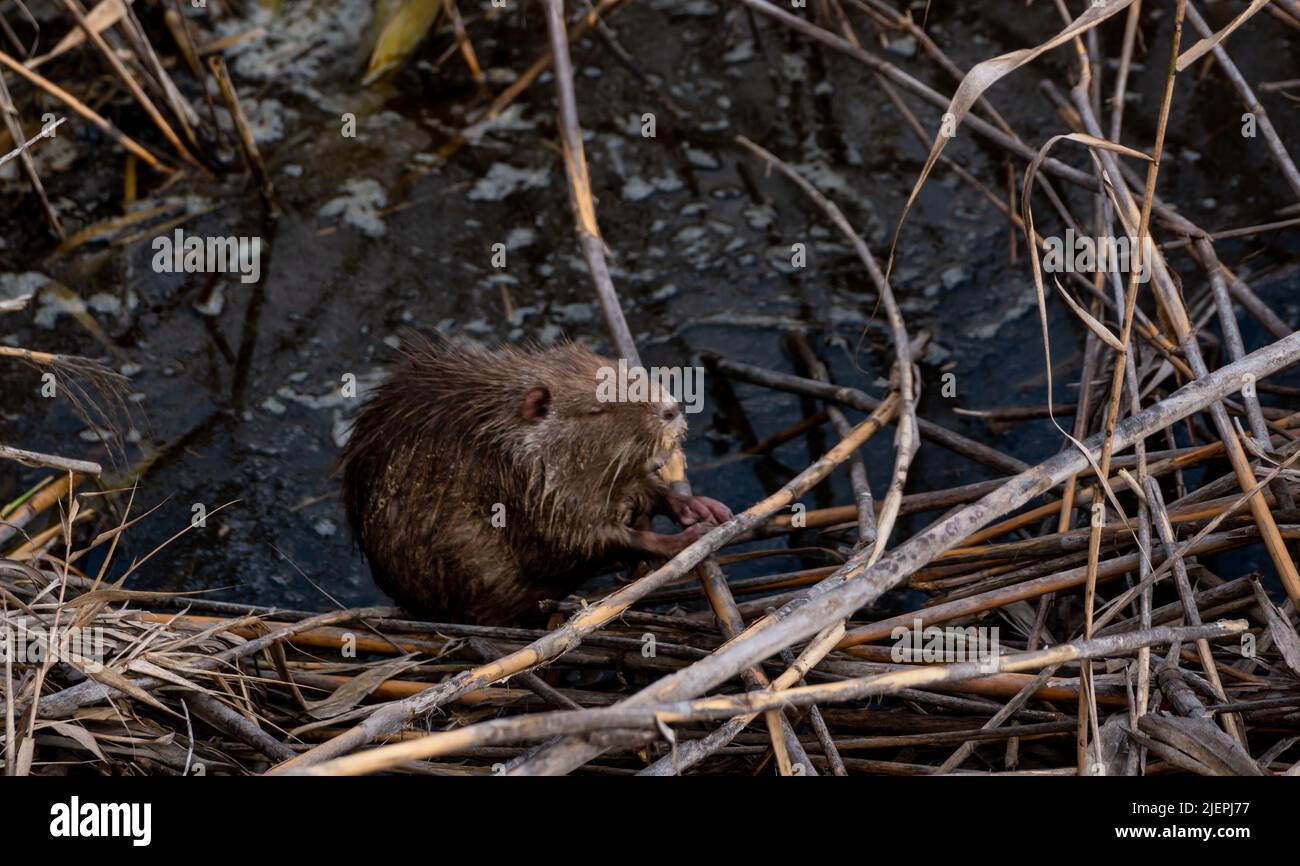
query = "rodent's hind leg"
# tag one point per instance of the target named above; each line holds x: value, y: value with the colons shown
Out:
x: 658, y: 544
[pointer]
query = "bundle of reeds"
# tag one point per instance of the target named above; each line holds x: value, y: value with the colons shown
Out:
x: 1116, y: 649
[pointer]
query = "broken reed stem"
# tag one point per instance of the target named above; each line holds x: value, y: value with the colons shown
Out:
x: 1211, y: 41
x: 179, y: 26
x: 80, y: 108
x: 1121, y: 361
x: 1276, y: 148
x: 181, y: 109
x: 575, y: 169
x: 13, y: 305
x: 1125, y: 64
x: 464, y: 44
x: 21, y: 149
x: 857, y: 399
x: 247, y: 144
x: 131, y: 85
x: 51, y: 461
x: 864, y: 504
x: 778, y: 726
x: 12, y: 123
x: 1022, y: 697
x: 794, y: 673
x: 1156, y: 503
x: 579, y: 29
x: 38, y: 504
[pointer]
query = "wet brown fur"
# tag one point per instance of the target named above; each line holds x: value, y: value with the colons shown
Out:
x: 454, y: 435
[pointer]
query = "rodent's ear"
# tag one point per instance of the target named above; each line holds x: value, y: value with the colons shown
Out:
x: 536, y: 404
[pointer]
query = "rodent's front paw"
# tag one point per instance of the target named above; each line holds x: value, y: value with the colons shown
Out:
x: 692, y: 534
x: 717, y: 510
x: 690, y: 510
x: 668, y: 546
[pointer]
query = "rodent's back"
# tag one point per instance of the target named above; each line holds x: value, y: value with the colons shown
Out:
x: 444, y: 446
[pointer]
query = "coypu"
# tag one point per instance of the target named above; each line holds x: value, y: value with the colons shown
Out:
x: 479, y: 482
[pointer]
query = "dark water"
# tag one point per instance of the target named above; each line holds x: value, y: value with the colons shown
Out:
x: 378, y: 236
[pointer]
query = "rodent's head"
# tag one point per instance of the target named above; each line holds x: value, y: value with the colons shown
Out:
x: 602, y: 411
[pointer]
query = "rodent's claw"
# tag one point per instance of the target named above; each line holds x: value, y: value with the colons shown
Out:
x: 687, y: 514
x: 692, y: 534
x: 718, y: 511
x: 690, y: 510
x: 664, y: 546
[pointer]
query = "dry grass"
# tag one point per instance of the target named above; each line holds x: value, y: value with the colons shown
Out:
x: 1120, y: 650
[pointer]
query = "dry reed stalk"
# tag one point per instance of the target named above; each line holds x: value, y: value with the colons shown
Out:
x: 124, y: 75
x: 575, y: 169
x: 860, y: 400
x: 37, y: 505
x: 864, y: 503
x: 247, y: 144
x: 521, y: 728
x: 80, y: 108
x: 464, y: 44
x: 51, y: 461
x: 21, y: 148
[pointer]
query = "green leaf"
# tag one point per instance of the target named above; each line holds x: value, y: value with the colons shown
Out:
x: 404, y: 29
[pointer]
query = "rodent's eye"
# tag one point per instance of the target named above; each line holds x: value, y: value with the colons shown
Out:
x: 599, y: 410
